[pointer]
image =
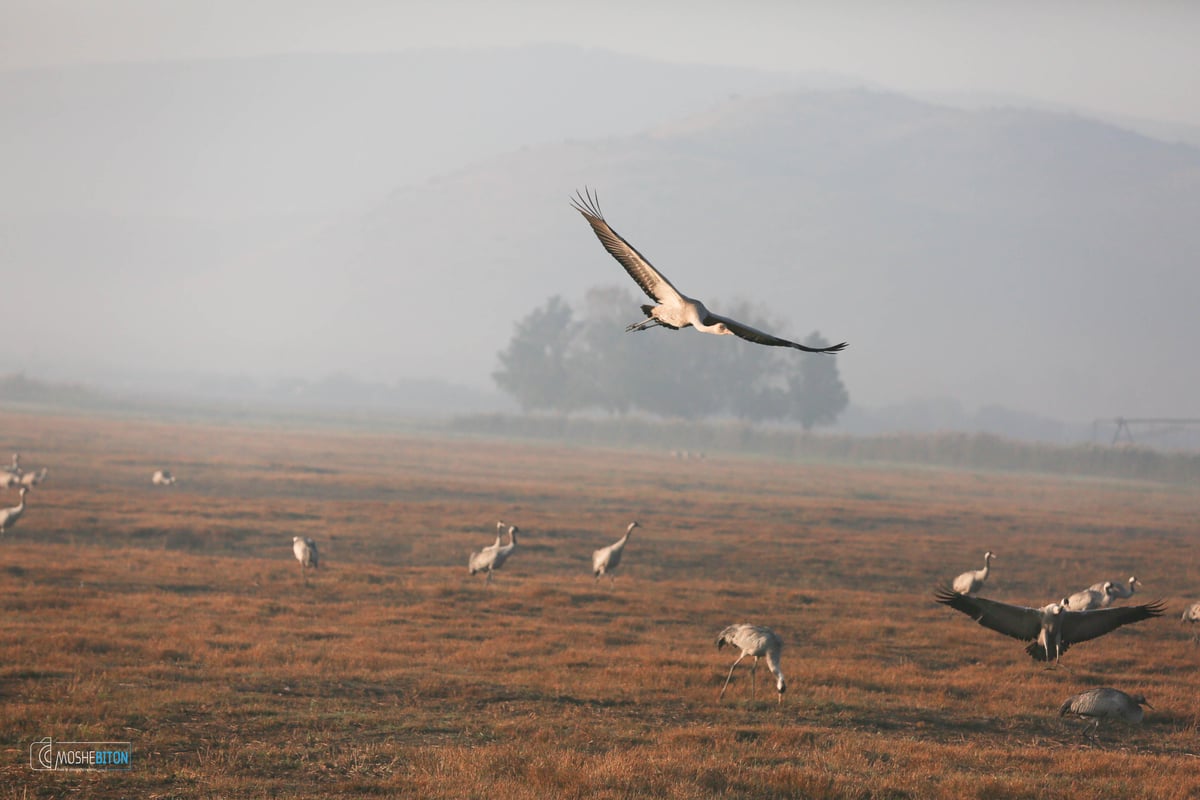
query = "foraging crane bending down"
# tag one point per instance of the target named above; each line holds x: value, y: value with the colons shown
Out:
x: 9, y: 516
x: 675, y: 310
x: 493, y: 558
x: 972, y: 580
x: 1100, y: 704
x: 1090, y: 598
x: 1050, y: 629
x: 757, y: 641
x: 1121, y: 590
x: 606, y: 559
x: 32, y: 479
x: 162, y: 477
x: 306, y: 552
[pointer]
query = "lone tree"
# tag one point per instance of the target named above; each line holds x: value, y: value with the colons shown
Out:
x: 535, y: 367
x: 818, y: 396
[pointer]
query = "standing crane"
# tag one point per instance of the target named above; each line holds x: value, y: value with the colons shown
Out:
x: 1192, y: 614
x: 1101, y: 704
x: 1120, y: 590
x: 1051, y: 629
x: 606, y: 559
x: 480, y: 560
x: 1090, y: 598
x: 9, y: 516
x: 757, y: 641
x: 32, y: 479
x: 972, y: 580
x: 306, y: 553
x: 493, y: 558
x: 675, y: 310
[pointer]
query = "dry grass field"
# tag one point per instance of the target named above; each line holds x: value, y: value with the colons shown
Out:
x: 176, y: 618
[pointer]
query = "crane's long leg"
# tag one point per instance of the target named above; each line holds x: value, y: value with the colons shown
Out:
x: 730, y: 675
x: 488, y: 582
x: 754, y: 679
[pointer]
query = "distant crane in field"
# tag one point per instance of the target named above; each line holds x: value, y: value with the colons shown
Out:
x: 1120, y: 590
x: 493, y: 558
x: 675, y: 310
x: 481, y: 559
x: 8, y: 479
x: 972, y: 580
x: 306, y: 553
x: 1050, y: 629
x: 1098, y: 705
x: 1192, y: 614
x: 757, y: 641
x: 606, y: 559
x: 9, y: 516
x: 32, y: 479
x: 1090, y: 598
x: 162, y: 477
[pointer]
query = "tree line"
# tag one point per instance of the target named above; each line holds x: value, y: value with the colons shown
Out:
x: 562, y: 359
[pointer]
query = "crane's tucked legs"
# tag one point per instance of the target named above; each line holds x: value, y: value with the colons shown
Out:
x: 649, y: 322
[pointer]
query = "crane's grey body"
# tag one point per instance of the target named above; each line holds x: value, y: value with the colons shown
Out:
x: 9, y: 516
x: 1090, y: 598
x: 493, y: 557
x: 306, y: 553
x: 674, y: 309
x: 1121, y: 590
x: 1050, y: 630
x: 1098, y: 705
x: 162, y: 477
x: 757, y: 641
x: 972, y: 580
x: 607, y: 559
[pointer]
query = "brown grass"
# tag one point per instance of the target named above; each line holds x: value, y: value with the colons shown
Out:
x: 176, y: 618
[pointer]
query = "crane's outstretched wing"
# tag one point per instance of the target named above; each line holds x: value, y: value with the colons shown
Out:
x: 743, y: 331
x: 639, y: 268
x: 1018, y: 622
x: 1079, y: 626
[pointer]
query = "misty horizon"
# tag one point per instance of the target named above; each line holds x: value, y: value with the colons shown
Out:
x: 298, y: 217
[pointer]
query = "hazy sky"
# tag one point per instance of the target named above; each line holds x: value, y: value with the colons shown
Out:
x: 1137, y: 58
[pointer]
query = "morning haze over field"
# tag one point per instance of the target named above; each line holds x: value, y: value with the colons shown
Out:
x: 379, y: 196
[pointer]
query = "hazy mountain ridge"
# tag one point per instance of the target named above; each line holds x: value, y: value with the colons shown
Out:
x: 304, y: 134
x: 1034, y: 260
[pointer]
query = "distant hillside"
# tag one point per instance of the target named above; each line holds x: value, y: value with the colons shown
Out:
x: 309, y: 134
